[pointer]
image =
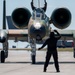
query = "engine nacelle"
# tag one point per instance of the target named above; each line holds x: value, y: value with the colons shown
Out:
x: 20, y: 17
x: 61, y: 18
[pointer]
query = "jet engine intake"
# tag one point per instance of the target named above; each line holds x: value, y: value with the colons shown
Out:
x: 61, y: 18
x: 20, y: 17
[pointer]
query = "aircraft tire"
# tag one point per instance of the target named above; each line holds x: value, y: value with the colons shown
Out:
x: 2, y: 56
x: 33, y: 59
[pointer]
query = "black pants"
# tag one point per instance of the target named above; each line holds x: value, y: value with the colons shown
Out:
x: 55, y: 57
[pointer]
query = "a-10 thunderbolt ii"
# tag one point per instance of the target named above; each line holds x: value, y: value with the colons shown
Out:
x: 34, y: 27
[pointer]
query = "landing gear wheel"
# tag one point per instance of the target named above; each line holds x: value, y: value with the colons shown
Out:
x: 2, y: 56
x: 74, y: 52
x: 33, y: 59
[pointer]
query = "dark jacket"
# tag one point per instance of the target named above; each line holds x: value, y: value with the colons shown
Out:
x: 52, y: 43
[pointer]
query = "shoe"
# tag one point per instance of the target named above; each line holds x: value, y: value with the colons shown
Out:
x: 44, y: 70
x: 58, y: 71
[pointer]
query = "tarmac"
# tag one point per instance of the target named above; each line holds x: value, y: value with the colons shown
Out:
x: 19, y: 63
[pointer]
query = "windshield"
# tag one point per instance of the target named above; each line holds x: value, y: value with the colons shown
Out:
x: 38, y: 13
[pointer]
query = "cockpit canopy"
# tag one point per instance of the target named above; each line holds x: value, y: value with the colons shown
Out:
x: 38, y: 14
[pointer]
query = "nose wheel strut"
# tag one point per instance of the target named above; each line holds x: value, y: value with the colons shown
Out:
x: 33, y: 51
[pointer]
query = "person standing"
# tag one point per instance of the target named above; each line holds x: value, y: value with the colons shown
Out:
x: 51, y: 43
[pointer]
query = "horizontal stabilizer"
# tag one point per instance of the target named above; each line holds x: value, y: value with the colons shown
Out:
x: 10, y: 24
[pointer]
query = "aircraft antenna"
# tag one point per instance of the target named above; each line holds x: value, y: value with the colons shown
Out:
x: 4, y: 14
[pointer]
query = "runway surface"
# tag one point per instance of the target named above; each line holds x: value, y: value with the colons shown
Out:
x: 19, y: 63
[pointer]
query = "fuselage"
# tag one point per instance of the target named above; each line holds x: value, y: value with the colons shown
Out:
x: 38, y: 24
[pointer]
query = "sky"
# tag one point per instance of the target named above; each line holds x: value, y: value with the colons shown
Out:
x: 52, y: 5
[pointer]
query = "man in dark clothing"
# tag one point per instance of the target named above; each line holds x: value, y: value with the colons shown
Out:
x: 44, y: 8
x: 52, y: 49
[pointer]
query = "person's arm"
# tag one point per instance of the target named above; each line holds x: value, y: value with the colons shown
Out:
x: 58, y: 35
x: 43, y: 45
x: 45, y: 6
x: 32, y: 5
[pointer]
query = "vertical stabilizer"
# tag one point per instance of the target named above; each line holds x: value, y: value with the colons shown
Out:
x: 38, y: 3
x: 4, y: 14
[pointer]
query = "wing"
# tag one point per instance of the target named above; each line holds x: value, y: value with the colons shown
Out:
x: 67, y: 34
x: 13, y: 34
x: 18, y: 35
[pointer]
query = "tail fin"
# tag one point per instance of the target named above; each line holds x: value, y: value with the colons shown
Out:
x: 38, y: 3
x: 4, y: 15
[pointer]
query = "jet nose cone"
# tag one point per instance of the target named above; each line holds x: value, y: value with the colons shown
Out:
x: 38, y: 32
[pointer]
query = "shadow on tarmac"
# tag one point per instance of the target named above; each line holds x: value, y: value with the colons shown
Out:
x: 16, y: 62
x: 61, y: 62
x: 40, y: 63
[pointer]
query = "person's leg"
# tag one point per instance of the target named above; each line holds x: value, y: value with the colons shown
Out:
x: 48, y: 56
x: 55, y: 56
